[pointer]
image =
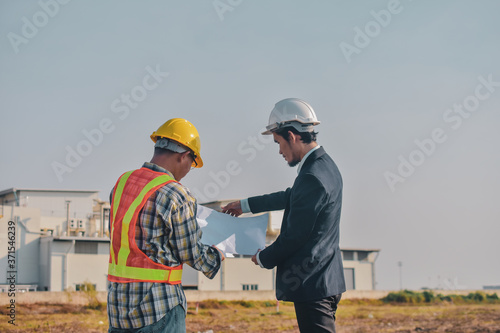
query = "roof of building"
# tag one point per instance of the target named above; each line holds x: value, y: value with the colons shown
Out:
x: 13, y: 189
x: 79, y: 238
x: 358, y: 249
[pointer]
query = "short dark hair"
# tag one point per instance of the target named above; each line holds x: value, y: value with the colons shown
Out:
x: 306, y: 137
x: 161, y: 151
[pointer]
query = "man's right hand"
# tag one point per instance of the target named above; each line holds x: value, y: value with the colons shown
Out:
x: 233, y: 208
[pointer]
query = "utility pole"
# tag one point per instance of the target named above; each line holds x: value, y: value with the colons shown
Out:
x: 400, y: 265
x: 67, y: 217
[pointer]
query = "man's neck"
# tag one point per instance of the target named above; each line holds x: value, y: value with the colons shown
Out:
x: 306, y: 148
x: 167, y: 163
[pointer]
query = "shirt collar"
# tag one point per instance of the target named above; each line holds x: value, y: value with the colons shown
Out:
x: 157, y: 168
x: 306, y: 156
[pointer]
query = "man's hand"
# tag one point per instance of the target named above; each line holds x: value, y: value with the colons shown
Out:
x: 233, y: 208
x: 254, y: 258
x: 222, y: 256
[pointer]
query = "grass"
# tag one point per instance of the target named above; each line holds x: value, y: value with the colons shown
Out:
x: 248, y: 316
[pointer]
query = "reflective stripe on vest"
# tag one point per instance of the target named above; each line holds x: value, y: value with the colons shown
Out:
x: 127, y: 263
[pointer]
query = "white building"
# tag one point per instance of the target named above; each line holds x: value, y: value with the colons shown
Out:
x: 61, y: 238
x: 359, y: 268
x: 62, y: 242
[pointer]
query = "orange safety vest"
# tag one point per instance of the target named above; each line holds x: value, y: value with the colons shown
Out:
x: 127, y: 263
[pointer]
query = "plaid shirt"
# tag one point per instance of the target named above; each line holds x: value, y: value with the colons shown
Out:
x: 168, y: 233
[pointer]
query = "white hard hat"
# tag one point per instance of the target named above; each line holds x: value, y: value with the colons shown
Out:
x: 292, y: 112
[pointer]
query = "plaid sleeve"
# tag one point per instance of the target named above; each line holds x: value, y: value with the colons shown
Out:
x: 186, y: 242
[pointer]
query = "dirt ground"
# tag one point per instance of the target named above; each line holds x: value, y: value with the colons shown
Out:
x: 215, y: 316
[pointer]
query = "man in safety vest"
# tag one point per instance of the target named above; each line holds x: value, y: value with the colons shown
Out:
x: 153, y: 232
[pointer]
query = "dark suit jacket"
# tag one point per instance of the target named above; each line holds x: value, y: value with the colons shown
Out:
x: 307, y: 253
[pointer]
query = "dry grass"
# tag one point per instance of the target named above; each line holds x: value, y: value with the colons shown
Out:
x: 244, y: 316
x: 241, y: 316
x: 54, y: 318
x: 443, y: 317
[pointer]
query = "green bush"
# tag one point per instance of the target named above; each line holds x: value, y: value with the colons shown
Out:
x: 477, y: 297
x: 412, y: 297
x: 246, y: 304
x: 493, y: 297
x: 446, y: 298
x: 405, y: 296
x: 91, y: 293
x: 428, y: 296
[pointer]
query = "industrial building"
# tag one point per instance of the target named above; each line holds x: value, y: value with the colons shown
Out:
x: 61, y: 238
x: 62, y: 243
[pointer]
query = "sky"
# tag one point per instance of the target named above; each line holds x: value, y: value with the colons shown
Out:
x: 407, y: 92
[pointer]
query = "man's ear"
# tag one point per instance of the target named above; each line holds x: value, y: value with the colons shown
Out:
x: 179, y: 157
x: 185, y: 155
x: 292, y: 137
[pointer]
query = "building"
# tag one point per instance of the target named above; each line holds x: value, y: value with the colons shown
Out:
x: 359, y: 268
x: 62, y: 243
x: 497, y: 287
x: 61, y: 238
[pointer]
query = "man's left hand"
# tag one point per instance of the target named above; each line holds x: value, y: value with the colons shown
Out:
x: 222, y: 256
x: 254, y: 258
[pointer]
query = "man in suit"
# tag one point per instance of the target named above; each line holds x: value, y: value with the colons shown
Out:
x: 306, y: 253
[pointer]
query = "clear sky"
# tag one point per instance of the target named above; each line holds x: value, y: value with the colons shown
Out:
x: 407, y: 92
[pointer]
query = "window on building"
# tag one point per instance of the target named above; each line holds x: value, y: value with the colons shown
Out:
x: 72, y: 224
x: 348, y: 255
x: 189, y: 287
x: 85, y: 287
x: 80, y: 224
x: 349, y: 278
x: 86, y: 247
x: 106, y: 218
x: 250, y: 287
x: 363, y: 255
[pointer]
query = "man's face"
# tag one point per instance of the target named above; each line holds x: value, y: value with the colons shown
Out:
x: 287, y: 150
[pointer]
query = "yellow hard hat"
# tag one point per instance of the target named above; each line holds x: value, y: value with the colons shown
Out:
x: 183, y: 132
